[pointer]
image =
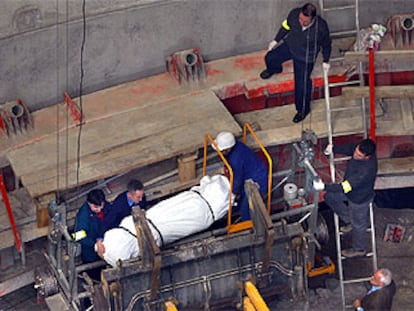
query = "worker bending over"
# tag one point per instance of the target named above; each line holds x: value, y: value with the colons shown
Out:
x: 245, y: 165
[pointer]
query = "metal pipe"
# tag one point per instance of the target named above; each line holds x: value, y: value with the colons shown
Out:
x: 255, y: 297
x: 329, y: 122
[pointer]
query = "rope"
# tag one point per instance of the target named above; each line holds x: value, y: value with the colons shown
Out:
x: 208, y: 204
x: 80, y: 93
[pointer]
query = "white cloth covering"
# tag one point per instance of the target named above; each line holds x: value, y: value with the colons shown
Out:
x: 177, y: 217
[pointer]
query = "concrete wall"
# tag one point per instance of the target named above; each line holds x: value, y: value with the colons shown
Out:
x: 41, y: 40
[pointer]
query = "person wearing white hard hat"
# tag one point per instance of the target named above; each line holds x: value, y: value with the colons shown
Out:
x: 245, y: 165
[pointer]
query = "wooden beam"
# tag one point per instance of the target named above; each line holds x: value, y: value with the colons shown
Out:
x: 394, y: 91
x: 381, y: 56
x: 395, y: 166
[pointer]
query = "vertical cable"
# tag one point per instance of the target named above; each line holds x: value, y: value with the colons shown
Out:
x: 80, y: 92
x: 67, y: 89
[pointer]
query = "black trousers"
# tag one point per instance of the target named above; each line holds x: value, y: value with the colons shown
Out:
x: 302, y: 74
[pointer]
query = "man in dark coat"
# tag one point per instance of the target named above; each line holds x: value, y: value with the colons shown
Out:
x: 89, y: 224
x: 351, y: 198
x: 123, y: 203
x: 300, y: 38
x: 381, y: 293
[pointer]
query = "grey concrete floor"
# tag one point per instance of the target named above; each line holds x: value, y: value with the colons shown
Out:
x: 395, y: 256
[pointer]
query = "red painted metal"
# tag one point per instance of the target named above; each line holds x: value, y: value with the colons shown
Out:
x: 372, y: 132
x: 73, y: 108
x: 10, y: 213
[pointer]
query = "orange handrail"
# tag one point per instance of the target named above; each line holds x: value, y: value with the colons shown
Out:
x: 208, y: 138
x: 269, y: 160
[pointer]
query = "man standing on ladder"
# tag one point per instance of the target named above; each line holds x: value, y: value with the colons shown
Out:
x: 351, y: 198
x: 300, y: 38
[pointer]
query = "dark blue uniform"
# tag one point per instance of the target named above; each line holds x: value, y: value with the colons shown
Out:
x: 88, y: 228
x: 351, y: 199
x: 246, y: 165
x: 302, y: 46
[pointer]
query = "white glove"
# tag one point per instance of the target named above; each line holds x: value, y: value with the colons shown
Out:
x: 326, y: 67
x: 328, y: 150
x: 318, y: 184
x: 272, y: 45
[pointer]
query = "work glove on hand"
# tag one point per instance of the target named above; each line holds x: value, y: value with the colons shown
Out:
x: 318, y: 184
x: 328, y: 150
x: 272, y: 45
x: 326, y: 67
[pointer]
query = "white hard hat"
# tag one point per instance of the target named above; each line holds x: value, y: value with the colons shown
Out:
x: 225, y: 140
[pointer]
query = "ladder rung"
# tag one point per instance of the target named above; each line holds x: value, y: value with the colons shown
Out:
x: 345, y: 108
x: 344, y: 7
x: 344, y: 33
x: 370, y: 254
x: 347, y: 133
x: 357, y: 280
x: 340, y: 159
x: 344, y: 83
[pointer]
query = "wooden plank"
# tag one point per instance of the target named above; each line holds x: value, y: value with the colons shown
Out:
x: 394, y: 91
x: 389, y: 56
x: 128, y: 140
x: 275, y: 126
x: 396, y: 166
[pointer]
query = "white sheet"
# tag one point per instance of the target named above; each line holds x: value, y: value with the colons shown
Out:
x: 175, y: 218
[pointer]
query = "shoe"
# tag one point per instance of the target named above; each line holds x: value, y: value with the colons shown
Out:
x: 299, y: 117
x: 346, y: 228
x: 351, y: 253
x: 265, y: 74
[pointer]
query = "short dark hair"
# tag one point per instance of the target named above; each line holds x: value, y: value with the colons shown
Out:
x: 134, y: 185
x: 95, y: 196
x: 309, y: 10
x: 367, y: 146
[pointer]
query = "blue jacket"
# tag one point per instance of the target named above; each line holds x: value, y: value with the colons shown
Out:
x: 119, y: 209
x: 246, y: 165
x: 92, y: 226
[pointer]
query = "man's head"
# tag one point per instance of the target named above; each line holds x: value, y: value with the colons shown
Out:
x: 307, y: 14
x: 225, y: 141
x: 364, y: 150
x: 96, y: 200
x: 381, y: 277
x: 135, y: 190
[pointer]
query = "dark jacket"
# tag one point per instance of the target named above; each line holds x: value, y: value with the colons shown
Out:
x: 119, y: 209
x: 246, y: 165
x: 380, y: 300
x: 297, y: 39
x: 360, y: 174
x: 92, y: 226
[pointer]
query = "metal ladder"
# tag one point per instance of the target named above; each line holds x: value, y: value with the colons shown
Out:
x: 330, y: 10
x: 332, y: 161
